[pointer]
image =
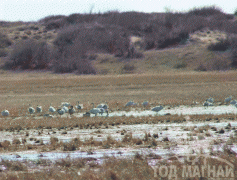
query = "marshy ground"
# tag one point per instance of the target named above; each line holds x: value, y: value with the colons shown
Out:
x: 73, y: 146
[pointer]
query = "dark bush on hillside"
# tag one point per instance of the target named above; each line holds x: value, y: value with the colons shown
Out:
x: 51, y: 18
x: 173, y: 29
x: 230, y: 27
x: 4, y: 41
x: 173, y: 38
x: 29, y: 54
x: 205, y: 11
x: 132, y: 21
x: 193, y: 23
x: 3, y: 53
x: 54, y: 24
x: 222, y: 45
x: 128, y: 68
x: 220, y: 22
x: 76, y: 42
x: 80, y: 18
x: 4, y: 24
x: 33, y: 27
x: 163, y: 39
x: 96, y: 38
x: 71, y: 54
x: 72, y: 58
x: 222, y: 62
x: 218, y: 64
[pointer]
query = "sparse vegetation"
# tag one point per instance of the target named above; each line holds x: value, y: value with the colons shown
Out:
x: 4, y: 41
x: 221, y: 45
x: 29, y: 54
x: 71, y: 40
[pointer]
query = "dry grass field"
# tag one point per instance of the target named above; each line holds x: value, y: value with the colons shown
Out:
x: 20, y: 89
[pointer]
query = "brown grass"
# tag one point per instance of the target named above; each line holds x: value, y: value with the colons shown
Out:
x: 97, y: 122
x: 100, y: 122
x: 112, y: 168
x: 20, y: 89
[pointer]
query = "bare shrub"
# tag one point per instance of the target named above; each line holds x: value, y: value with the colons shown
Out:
x: 24, y: 37
x: 127, y: 138
x: 14, y: 166
x: 22, y: 28
x: 53, y: 22
x: 96, y: 38
x: 4, y: 41
x: 16, y: 141
x: 70, y: 146
x: 28, y: 32
x: 128, y: 67
x: 29, y: 54
x: 53, y: 140
x: 37, y: 37
x: 215, y: 64
x: 164, y: 34
x: 205, y: 11
x: 33, y: 27
x: 56, y: 24
x: 132, y: 21
x: 51, y: 18
x: 75, y: 43
x: 221, y: 45
x: 72, y: 58
x: 137, y: 141
x: 5, y: 144
x: 180, y: 65
x: 3, y: 53
x: 80, y: 18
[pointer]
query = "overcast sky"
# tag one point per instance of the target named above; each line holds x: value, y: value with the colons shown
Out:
x: 33, y: 10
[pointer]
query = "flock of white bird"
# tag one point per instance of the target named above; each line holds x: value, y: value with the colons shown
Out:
x: 228, y: 100
x: 104, y: 108
x: 68, y: 108
x: 64, y: 108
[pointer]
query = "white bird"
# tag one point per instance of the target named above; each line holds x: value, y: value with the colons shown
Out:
x: 65, y: 104
x: 211, y: 100
x: 233, y: 102
x: 31, y: 109
x: 39, y: 109
x: 60, y: 111
x: 71, y: 110
x: 145, y: 103
x: 157, y: 108
x: 227, y: 100
x: 5, y: 113
x: 95, y: 111
x: 130, y: 103
x: 79, y: 106
x: 207, y: 103
x: 65, y: 108
x: 51, y: 109
x: 104, y: 106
